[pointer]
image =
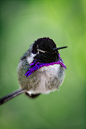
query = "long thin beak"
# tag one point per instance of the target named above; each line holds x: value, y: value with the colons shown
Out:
x: 55, y: 49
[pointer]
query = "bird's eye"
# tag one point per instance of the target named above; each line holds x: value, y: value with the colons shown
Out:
x: 39, y: 50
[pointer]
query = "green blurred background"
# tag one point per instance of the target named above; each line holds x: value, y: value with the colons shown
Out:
x: 21, y: 23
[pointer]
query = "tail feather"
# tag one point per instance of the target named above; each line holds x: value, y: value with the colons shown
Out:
x: 32, y: 95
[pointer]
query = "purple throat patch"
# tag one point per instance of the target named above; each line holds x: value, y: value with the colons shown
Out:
x: 34, y: 66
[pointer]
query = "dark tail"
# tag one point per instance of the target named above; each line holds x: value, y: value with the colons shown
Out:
x: 32, y: 95
x: 11, y: 95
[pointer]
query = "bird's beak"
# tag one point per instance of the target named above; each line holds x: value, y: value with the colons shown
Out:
x: 56, y: 49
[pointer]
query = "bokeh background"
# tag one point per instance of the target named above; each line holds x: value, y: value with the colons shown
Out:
x: 21, y: 23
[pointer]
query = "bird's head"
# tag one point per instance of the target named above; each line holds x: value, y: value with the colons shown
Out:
x: 45, y: 50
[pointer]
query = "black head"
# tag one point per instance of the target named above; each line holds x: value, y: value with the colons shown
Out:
x: 46, y: 50
x: 45, y: 44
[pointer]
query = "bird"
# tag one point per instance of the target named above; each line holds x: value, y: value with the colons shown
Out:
x: 41, y: 70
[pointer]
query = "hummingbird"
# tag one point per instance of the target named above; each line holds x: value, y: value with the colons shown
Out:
x: 40, y: 70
